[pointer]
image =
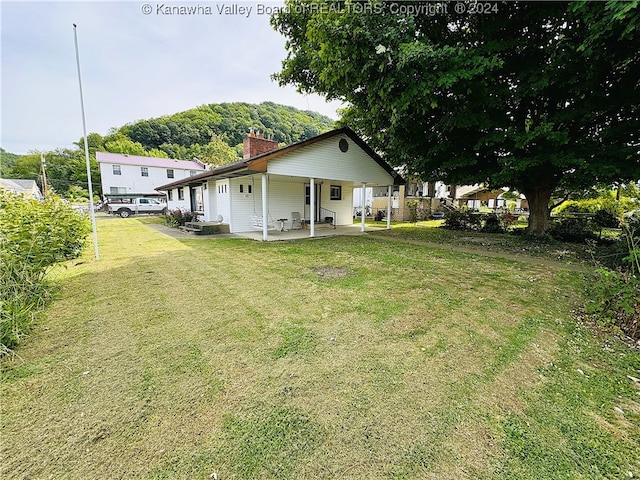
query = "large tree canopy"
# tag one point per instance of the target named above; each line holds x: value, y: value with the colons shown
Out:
x: 536, y: 96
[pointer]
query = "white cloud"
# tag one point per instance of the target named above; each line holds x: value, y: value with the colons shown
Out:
x: 133, y: 65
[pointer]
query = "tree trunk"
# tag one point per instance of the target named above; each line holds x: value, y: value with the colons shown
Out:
x: 538, y: 199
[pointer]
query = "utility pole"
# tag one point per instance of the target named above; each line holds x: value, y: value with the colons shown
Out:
x: 43, y: 169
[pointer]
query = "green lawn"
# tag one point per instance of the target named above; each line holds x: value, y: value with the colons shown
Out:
x: 345, y: 357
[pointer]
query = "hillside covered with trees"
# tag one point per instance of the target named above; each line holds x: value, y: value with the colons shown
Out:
x: 212, y: 133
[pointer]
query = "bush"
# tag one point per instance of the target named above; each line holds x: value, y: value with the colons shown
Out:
x: 576, y: 230
x: 614, y: 295
x: 606, y: 219
x: 494, y: 224
x: 461, y: 220
x: 176, y: 218
x: 34, y: 236
x: 614, y: 299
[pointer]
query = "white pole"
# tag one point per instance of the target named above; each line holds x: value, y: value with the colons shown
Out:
x: 265, y: 209
x: 389, y: 188
x: 363, y: 212
x: 312, y: 206
x: 92, y: 210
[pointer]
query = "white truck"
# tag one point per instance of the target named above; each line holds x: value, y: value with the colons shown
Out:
x: 134, y: 206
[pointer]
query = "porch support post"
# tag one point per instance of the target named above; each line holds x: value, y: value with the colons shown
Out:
x: 389, y: 192
x: 265, y: 209
x: 312, y: 206
x: 363, y: 199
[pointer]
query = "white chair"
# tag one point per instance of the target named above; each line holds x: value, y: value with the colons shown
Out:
x: 296, y: 221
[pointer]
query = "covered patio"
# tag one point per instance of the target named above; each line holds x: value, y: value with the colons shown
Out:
x: 300, y: 233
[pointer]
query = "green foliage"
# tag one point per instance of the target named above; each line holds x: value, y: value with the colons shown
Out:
x: 7, y: 161
x: 614, y: 295
x: 177, y: 217
x: 576, y: 230
x: 513, y: 99
x: 202, y: 131
x: 493, y: 224
x: 603, y: 200
x: 412, y: 205
x: 34, y: 236
x: 461, y: 220
x: 614, y: 299
x: 606, y: 219
x: 66, y: 170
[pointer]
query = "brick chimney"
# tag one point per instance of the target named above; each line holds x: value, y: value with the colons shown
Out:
x: 255, y: 144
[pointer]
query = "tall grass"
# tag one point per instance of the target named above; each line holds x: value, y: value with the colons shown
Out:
x: 34, y: 236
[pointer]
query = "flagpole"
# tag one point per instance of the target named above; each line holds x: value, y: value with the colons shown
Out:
x: 92, y: 210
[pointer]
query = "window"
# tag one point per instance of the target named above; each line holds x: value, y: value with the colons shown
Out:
x: 144, y: 171
x: 169, y: 172
x: 241, y: 188
x: 116, y: 170
x: 249, y: 188
x: 336, y: 192
x: 170, y: 195
x: 117, y: 189
x: 181, y: 194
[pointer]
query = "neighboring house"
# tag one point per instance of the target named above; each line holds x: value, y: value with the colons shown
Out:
x: 434, y: 196
x: 314, y: 178
x: 27, y: 188
x: 132, y: 175
x: 478, y: 196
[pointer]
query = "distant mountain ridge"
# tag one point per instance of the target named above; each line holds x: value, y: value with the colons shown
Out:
x: 228, y: 121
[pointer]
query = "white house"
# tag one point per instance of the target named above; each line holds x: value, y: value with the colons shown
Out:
x: 271, y: 186
x: 26, y: 188
x: 133, y: 175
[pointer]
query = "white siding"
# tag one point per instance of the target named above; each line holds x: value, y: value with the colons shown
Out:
x: 209, y: 196
x: 174, y: 203
x: 132, y: 180
x: 285, y: 197
x: 324, y: 160
x: 245, y: 204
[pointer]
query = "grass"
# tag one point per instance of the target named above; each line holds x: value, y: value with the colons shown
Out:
x: 345, y: 357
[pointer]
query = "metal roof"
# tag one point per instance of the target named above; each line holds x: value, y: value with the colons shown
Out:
x: 125, y: 159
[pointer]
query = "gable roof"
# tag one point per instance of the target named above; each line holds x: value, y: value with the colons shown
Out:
x: 19, y: 185
x: 125, y: 159
x: 258, y: 163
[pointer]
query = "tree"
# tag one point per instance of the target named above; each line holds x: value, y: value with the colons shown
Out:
x: 535, y: 96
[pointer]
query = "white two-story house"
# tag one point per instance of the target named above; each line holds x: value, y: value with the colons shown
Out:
x: 132, y: 175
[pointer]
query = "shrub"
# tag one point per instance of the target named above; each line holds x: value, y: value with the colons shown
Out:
x: 493, y: 224
x: 614, y: 299
x: 606, y: 219
x: 34, y: 236
x: 614, y: 295
x: 178, y: 217
x: 461, y: 220
x: 576, y: 230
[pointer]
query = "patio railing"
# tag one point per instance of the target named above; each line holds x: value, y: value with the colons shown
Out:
x: 328, y: 216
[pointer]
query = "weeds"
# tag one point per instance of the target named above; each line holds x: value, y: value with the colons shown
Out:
x: 614, y: 295
x: 34, y: 236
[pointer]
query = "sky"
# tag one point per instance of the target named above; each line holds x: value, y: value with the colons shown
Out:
x: 137, y: 61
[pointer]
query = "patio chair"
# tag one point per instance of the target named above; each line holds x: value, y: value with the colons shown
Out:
x: 296, y: 221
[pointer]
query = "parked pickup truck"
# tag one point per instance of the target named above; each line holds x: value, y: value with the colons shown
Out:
x: 133, y: 206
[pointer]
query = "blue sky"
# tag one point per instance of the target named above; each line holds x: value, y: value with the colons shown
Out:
x: 134, y: 65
